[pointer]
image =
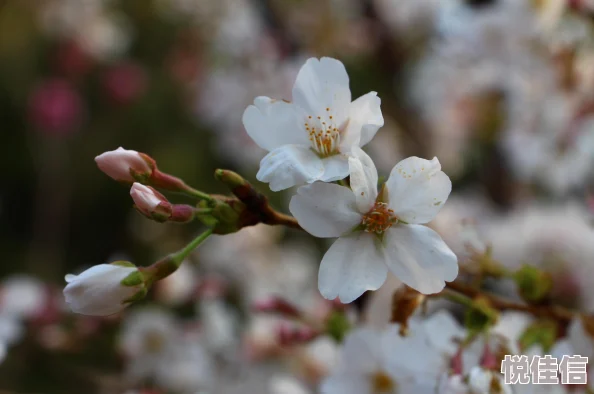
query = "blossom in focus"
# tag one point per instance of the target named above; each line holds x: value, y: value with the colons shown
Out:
x: 104, y: 289
x: 310, y: 138
x: 375, y: 361
x: 379, y: 231
x: 121, y: 163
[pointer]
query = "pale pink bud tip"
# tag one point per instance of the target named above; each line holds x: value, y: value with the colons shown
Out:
x: 276, y: 305
x: 119, y: 164
x: 150, y: 202
x: 489, y: 359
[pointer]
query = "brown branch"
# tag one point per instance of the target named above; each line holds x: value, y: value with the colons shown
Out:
x: 256, y: 207
x: 555, y: 312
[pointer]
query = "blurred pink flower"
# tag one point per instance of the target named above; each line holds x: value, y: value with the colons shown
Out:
x: 124, y: 82
x: 70, y: 60
x: 55, y: 107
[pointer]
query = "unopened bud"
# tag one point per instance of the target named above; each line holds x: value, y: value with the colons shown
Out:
x: 489, y: 359
x: 457, y: 363
x: 125, y: 165
x: 289, y: 335
x: 277, y: 305
x: 104, y: 289
x: 151, y: 203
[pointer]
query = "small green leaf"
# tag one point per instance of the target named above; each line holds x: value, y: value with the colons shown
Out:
x: 543, y: 333
x: 337, y: 325
x: 123, y: 264
x: 134, y: 279
x: 534, y: 285
x: 480, y: 316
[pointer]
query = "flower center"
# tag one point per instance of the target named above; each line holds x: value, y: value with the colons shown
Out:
x: 382, y: 383
x: 154, y: 342
x: 379, y: 218
x: 324, y: 134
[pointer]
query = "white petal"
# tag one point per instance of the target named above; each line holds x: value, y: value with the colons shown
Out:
x: 335, y: 168
x: 325, y: 210
x: 346, y: 384
x: 361, y: 351
x: 323, y: 84
x: 273, y: 123
x: 363, y: 178
x: 98, y: 291
x: 442, y: 329
x: 365, y: 119
x: 418, y: 189
x: 288, y: 166
x: 418, y: 256
x: 352, y: 265
x: 420, y: 359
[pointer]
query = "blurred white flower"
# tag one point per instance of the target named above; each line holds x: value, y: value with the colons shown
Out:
x: 384, y: 362
x: 409, y: 16
x: 220, y: 324
x: 287, y: 385
x: 483, y: 381
x: 226, y: 92
x: 565, y: 249
x: 479, y: 52
x: 186, y: 367
x: 11, y: 329
x: 22, y: 296
x: 101, y: 33
x: 560, y: 154
x: 147, y: 334
x: 99, y: 291
x: 118, y: 164
x: 379, y: 232
x: 310, y: 138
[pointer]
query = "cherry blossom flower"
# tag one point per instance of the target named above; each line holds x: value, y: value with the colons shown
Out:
x: 311, y: 138
x: 101, y: 291
x: 379, y: 231
x: 382, y: 361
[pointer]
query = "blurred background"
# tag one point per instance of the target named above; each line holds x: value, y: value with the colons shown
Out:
x: 501, y: 91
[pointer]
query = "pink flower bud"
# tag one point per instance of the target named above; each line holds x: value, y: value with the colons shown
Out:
x: 55, y: 107
x: 150, y: 202
x: 121, y: 164
x: 489, y: 359
x: 277, y: 305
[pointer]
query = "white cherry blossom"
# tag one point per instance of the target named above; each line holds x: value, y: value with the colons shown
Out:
x: 384, y: 362
x: 310, y: 138
x: 379, y: 232
x: 100, y: 291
